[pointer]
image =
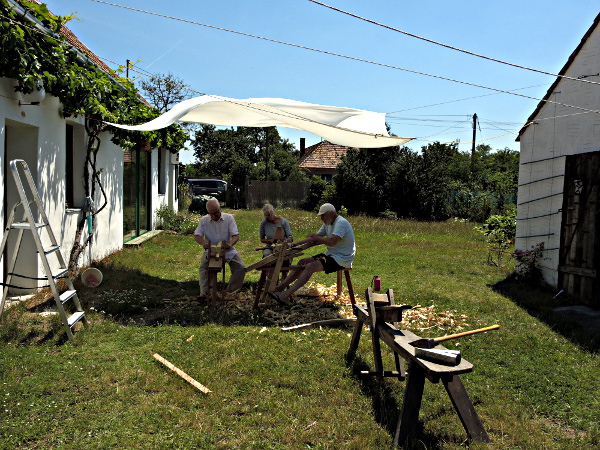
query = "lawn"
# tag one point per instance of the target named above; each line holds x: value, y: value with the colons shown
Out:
x: 534, y: 384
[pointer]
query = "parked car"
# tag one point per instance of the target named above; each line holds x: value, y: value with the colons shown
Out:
x: 208, y: 186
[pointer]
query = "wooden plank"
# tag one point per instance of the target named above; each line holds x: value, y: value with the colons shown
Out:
x: 581, y: 271
x: 182, y: 374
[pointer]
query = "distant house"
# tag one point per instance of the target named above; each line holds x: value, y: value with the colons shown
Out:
x: 559, y: 176
x: 136, y: 182
x: 321, y: 159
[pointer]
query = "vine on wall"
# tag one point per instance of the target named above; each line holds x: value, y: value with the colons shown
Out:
x: 29, y: 55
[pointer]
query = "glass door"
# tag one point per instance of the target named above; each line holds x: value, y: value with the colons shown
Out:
x: 136, y: 194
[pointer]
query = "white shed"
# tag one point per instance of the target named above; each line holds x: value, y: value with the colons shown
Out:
x: 559, y: 176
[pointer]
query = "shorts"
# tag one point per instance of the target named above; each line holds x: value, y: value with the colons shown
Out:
x: 329, y: 264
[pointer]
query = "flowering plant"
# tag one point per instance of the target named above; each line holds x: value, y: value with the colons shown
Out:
x: 527, y: 261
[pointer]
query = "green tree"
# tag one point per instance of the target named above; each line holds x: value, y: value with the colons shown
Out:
x: 239, y: 152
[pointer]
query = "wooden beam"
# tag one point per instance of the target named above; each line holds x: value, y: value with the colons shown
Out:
x: 182, y: 374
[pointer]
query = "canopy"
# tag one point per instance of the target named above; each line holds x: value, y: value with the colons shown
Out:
x: 342, y: 126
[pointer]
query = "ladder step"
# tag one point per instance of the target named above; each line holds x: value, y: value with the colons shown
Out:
x: 51, y: 249
x: 76, y: 318
x: 25, y: 225
x: 66, y: 296
x: 60, y: 274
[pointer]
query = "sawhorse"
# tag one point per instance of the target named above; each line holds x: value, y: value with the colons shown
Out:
x: 216, y: 264
x: 383, y: 328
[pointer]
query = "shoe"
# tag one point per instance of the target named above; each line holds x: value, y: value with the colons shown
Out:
x: 202, y: 298
x: 230, y: 296
x: 275, y: 296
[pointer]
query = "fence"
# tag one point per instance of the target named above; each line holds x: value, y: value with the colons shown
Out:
x: 278, y: 193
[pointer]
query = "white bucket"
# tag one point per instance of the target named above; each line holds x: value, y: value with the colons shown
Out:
x: 91, y: 277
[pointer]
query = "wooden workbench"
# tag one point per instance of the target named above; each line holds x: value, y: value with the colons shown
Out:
x: 420, y: 370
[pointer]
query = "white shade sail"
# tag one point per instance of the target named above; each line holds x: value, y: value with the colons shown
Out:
x: 338, y: 125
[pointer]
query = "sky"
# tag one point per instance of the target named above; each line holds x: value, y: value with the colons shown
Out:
x: 240, y: 49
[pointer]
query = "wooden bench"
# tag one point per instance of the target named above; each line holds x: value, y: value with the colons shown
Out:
x: 399, y: 341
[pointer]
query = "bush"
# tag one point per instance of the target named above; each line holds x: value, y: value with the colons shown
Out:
x: 499, y: 231
x: 198, y: 204
x: 180, y: 223
x: 527, y: 261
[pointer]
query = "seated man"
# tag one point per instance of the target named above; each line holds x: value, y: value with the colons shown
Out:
x: 337, y: 234
x: 214, y: 227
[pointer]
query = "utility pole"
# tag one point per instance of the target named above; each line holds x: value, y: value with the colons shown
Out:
x: 473, y: 144
x: 127, y: 68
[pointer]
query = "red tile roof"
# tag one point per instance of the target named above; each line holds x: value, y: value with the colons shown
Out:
x: 323, y: 155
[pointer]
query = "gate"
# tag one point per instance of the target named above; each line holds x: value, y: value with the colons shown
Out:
x: 579, y: 240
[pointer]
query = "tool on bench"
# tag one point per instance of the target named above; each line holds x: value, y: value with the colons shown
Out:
x: 450, y: 357
x: 430, y: 343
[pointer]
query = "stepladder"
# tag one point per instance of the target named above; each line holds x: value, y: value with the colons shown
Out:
x: 28, y: 221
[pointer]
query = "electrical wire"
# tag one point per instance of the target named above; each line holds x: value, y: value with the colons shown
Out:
x: 431, y: 41
x: 352, y: 58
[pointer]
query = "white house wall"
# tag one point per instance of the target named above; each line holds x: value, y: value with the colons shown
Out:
x: 37, y: 134
x: 557, y: 131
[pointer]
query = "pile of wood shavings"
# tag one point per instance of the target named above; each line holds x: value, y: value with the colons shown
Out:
x: 421, y: 318
x: 319, y: 302
x: 310, y: 304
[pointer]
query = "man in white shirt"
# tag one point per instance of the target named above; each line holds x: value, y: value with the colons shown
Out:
x: 214, y: 227
x: 337, y: 234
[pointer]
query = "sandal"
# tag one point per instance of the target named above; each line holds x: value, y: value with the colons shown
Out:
x: 275, y: 296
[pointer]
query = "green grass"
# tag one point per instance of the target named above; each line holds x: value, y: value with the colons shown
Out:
x: 534, y: 385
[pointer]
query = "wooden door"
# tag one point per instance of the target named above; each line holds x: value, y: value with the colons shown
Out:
x: 579, y: 240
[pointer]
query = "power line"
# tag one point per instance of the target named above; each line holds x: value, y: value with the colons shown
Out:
x: 352, y: 58
x: 583, y: 80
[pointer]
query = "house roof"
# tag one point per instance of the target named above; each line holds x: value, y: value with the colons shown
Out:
x: 323, y: 155
x: 559, y: 78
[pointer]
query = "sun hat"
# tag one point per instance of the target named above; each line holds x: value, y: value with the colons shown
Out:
x: 326, y: 207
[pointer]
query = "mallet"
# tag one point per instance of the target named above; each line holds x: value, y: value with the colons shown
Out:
x: 430, y: 343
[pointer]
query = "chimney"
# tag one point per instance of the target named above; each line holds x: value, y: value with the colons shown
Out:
x: 302, y: 146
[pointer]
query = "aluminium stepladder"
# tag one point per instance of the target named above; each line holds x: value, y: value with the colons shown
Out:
x: 37, y: 228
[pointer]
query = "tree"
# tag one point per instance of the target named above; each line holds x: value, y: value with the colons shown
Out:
x: 238, y: 153
x: 164, y: 91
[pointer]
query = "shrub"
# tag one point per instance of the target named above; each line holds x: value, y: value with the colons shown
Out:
x: 180, y: 223
x: 499, y: 231
x: 198, y: 204
x: 527, y: 261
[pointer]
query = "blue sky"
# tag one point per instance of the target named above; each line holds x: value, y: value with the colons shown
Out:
x: 536, y: 34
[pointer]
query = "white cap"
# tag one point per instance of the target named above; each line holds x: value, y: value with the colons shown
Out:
x: 326, y: 207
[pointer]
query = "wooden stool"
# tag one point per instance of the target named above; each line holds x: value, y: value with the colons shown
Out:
x: 346, y: 272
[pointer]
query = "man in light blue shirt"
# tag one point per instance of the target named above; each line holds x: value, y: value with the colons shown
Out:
x: 214, y: 227
x: 337, y: 234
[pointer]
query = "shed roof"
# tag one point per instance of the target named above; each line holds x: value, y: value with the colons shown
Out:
x: 558, y: 79
x: 323, y: 155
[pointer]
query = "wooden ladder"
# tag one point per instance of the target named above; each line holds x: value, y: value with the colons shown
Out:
x: 37, y: 230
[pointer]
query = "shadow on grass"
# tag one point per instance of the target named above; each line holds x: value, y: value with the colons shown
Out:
x: 386, y: 409
x: 539, y: 300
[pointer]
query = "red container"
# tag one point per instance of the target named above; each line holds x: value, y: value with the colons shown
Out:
x: 376, y: 283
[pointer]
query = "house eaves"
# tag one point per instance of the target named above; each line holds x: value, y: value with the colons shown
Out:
x: 562, y: 72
